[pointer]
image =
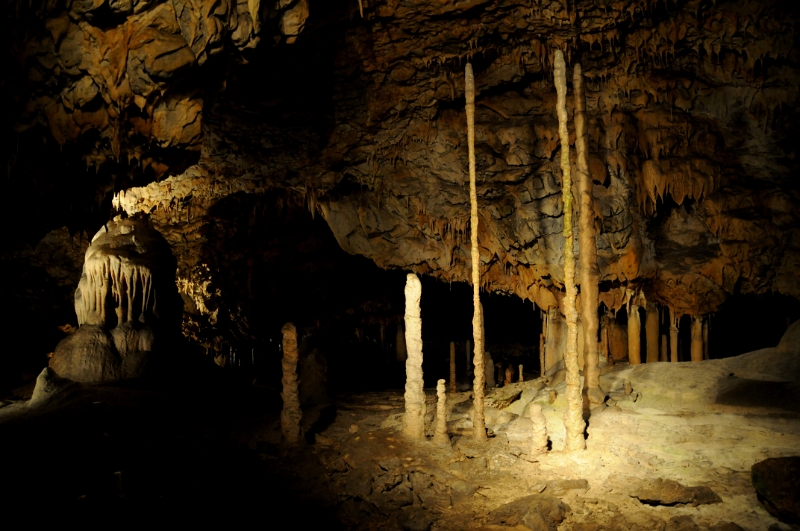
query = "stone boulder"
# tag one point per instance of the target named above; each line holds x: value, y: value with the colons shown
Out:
x: 777, y: 487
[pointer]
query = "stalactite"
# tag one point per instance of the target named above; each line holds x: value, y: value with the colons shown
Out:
x: 291, y: 413
x: 589, y: 272
x: 634, y: 335
x: 539, y: 429
x: 479, y: 422
x: 440, y: 432
x: 414, y: 421
x: 573, y: 416
x: 673, y: 336
x: 453, y: 385
x: 697, y: 338
x: 651, y: 332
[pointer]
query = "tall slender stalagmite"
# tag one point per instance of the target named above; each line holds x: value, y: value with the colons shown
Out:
x: 589, y: 272
x: 414, y: 422
x: 697, y: 338
x: 453, y: 386
x: 479, y: 421
x: 543, y: 345
x: 440, y: 432
x: 673, y: 336
x: 573, y: 416
x: 634, y: 335
x: 291, y: 413
x: 651, y: 332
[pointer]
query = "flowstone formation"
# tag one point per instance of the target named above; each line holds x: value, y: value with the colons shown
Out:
x: 127, y: 305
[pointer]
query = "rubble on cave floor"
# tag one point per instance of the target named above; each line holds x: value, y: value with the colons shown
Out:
x: 674, y: 455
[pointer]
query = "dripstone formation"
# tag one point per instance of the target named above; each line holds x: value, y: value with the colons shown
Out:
x: 127, y: 305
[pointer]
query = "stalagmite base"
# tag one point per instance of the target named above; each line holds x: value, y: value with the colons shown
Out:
x: 414, y: 421
x: 651, y: 333
x: 453, y: 385
x: 539, y: 429
x: 479, y: 422
x: 634, y: 336
x: 589, y: 272
x: 697, y: 338
x: 291, y: 414
x: 573, y: 416
x: 440, y: 432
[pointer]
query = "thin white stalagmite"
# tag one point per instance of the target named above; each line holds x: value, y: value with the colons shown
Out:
x: 453, y: 386
x: 291, y: 413
x: 414, y: 421
x: 573, y: 416
x: 479, y: 421
x: 673, y: 336
x: 440, y: 432
x: 589, y: 272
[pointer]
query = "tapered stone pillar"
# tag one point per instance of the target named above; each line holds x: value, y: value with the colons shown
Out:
x: 634, y: 336
x: 651, y: 333
x: 414, y: 421
x: 440, y: 432
x: 697, y: 338
x: 539, y: 429
x: 673, y: 336
x: 291, y: 414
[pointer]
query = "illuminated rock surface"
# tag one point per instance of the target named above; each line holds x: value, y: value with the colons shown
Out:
x: 126, y: 298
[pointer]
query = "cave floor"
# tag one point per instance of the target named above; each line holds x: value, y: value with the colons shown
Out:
x: 196, y: 452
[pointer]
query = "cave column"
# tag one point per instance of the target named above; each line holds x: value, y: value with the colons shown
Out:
x: 453, y: 386
x: 414, y: 421
x: 291, y: 413
x: 651, y: 332
x: 697, y: 338
x: 440, y: 432
x: 673, y: 336
x: 634, y: 332
x: 589, y: 272
x: 478, y: 421
x: 573, y: 416
x: 543, y: 344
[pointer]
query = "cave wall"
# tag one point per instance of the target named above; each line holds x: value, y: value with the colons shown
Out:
x: 360, y: 118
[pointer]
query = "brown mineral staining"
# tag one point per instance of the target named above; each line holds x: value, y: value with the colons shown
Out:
x: 573, y: 416
x: 414, y: 420
x: 291, y: 414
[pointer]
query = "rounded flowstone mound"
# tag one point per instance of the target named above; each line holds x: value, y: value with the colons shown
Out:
x: 127, y: 303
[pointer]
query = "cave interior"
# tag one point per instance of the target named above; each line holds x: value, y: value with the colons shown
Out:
x: 225, y: 214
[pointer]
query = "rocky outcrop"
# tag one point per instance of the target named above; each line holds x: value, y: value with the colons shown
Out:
x: 689, y: 113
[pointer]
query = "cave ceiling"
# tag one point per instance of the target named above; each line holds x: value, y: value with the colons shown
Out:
x: 355, y: 110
